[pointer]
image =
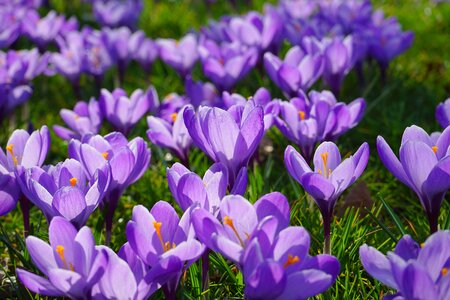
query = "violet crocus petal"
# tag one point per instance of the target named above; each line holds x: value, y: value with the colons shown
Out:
x: 305, y: 284
x: 206, y: 226
x: 71, y: 283
x: 342, y: 176
x: 174, y: 174
x: 435, y: 253
x: 91, y: 159
x: 252, y: 128
x: 227, y: 247
x: 266, y: 282
x: 324, y: 262
x: 407, y: 248
x: 418, y: 159
x: 444, y: 288
x: 417, y: 283
x: 38, y: 284
x: 295, y: 163
x: 319, y: 187
x: 19, y: 139
x: 360, y: 158
x: 292, y: 241
x: 84, y: 247
x: 192, y: 123
x: 41, y: 253
x: 62, y: 233
x: 415, y: 133
x: 36, y: 148
x: 377, y: 265
x: 333, y: 157
x: 275, y: 204
x: 186, y: 251
x: 70, y: 203
x: 122, y: 165
x: 443, y: 113
x: 9, y: 194
x: 191, y: 189
x: 160, y: 133
x: 41, y: 198
x: 163, y: 212
x: 438, y: 180
x: 136, y: 264
x: 240, y: 183
x: 442, y: 142
x: 216, y: 182
x: 391, y: 162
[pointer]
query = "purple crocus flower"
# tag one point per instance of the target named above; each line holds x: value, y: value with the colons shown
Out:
x: 124, y: 112
x: 128, y: 162
x: 171, y: 104
x: 443, y: 113
x: 23, y: 151
x: 200, y: 93
x: 226, y: 64
x: 279, y: 267
x: 180, y: 55
x: 116, y: 13
x: 415, y: 271
x: 69, y: 61
x: 299, y: 70
x: 10, y: 27
x: 97, y: 59
x: 188, y: 188
x: 127, y: 277
x: 317, y: 118
x: 230, y: 137
x: 143, y: 50
x: 240, y: 223
x: 64, y: 190
x: 329, y: 179
x: 84, y: 119
x: 160, y: 234
x: 71, y: 263
x: 42, y: 31
x: 424, y: 167
x: 118, y: 46
x: 173, y: 135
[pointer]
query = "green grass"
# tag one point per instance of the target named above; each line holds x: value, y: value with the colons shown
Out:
x: 416, y: 82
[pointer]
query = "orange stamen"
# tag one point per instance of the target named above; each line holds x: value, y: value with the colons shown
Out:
x: 73, y: 181
x: 60, y: 251
x: 444, y: 271
x: 157, y: 226
x: 435, y: 149
x: 174, y: 117
x: 291, y: 260
x: 228, y: 221
x: 105, y: 155
x: 10, y: 149
x: 325, y: 161
x: 302, y: 115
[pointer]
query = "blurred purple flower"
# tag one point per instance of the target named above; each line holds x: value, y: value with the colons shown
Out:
x: 116, y: 13
x: 180, y: 55
x: 42, y: 31
x: 329, y: 179
x: 200, y: 93
x: 443, y: 113
x: 143, y: 50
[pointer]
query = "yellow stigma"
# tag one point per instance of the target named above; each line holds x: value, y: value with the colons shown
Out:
x: 73, y: 181
x: 325, y: 161
x: 435, y: 149
x: 444, y: 271
x: 60, y: 251
x: 105, y: 155
x: 291, y: 260
x: 302, y: 115
x: 10, y: 149
x: 173, y: 117
x: 421, y: 245
x: 76, y: 117
x: 157, y: 226
x: 228, y: 221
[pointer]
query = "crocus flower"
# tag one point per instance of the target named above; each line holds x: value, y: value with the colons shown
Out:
x: 69, y: 61
x: 42, y: 31
x: 71, y: 263
x: 64, y: 190
x: 124, y: 112
x: 143, y: 50
x: 173, y: 135
x: 84, y: 119
x: 226, y: 64
x: 22, y: 151
x: 415, y: 271
x: 443, y: 113
x: 160, y: 234
x: 200, y: 93
x: 10, y: 27
x: 240, y: 222
x: 282, y: 268
x: 97, y: 59
x: 180, y: 55
x: 188, y: 188
x: 424, y: 167
x: 172, y: 103
x: 227, y: 137
x: 128, y: 162
x: 329, y: 179
x: 317, y: 118
x: 116, y: 13
x: 299, y: 70
x: 117, y: 43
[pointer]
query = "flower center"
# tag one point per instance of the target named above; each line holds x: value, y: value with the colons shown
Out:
x: 326, y: 172
x: 435, y: 149
x: 10, y: 149
x: 444, y: 271
x: 166, y: 245
x: 105, y: 155
x: 228, y: 221
x: 302, y: 115
x: 73, y: 181
x: 291, y: 260
x: 173, y: 117
x: 60, y: 251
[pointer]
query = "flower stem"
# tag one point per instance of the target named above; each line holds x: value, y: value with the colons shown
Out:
x: 25, y: 207
x: 113, y: 200
x: 205, y: 270
x: 327, y: 235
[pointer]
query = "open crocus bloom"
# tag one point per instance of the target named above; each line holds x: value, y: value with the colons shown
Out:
x: 117, y: 13
x: 188, y: 188
x: 85, y: 118
x: 64, y: 190
x: 172, y: 135
x: 71, y: 262
x: 416, y: 271
x: 180, y: 55
x: 424, y: 167
x: 281, y: 268
x: 299, y: 70
x: 443, y: 113
x: 330, y: 177
x: 240, y: 222
x: 230, y: 137
x: 160, y: 234
x: 123, y: 112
